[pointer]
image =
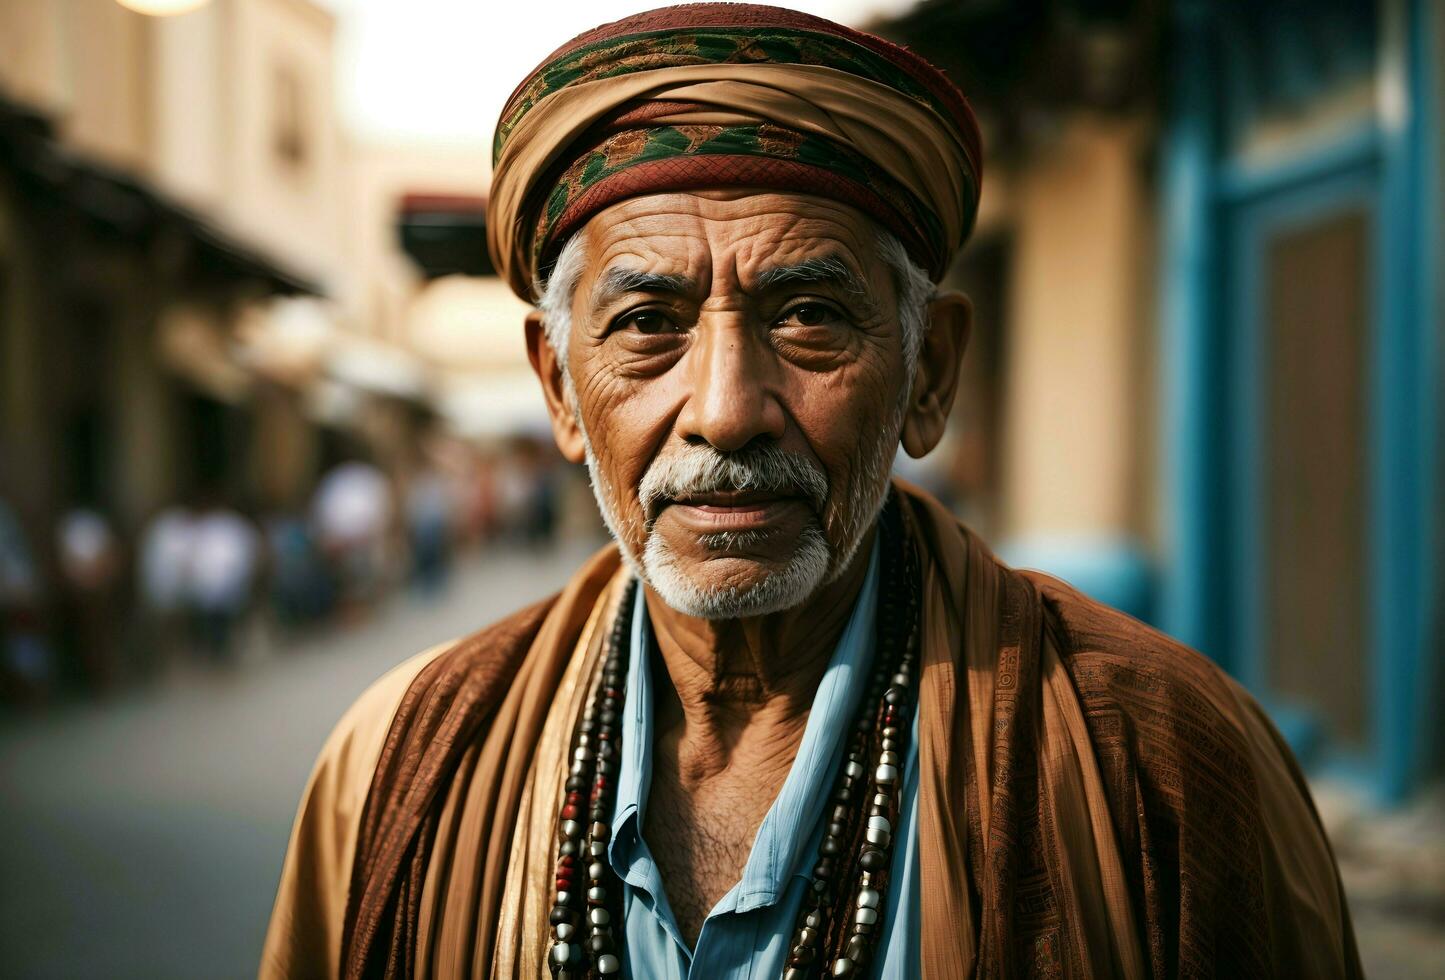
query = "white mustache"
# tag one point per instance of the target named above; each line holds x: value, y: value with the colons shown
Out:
x: 761, y: 467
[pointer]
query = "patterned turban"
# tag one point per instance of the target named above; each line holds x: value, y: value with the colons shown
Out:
x: 741, y: 95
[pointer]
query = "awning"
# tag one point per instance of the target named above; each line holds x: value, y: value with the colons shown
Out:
x: 445, y: 234
x: 468, y: 323
x: 376, y: 367
x: 494, y: 406
x: 287, y: 338
x: 193, y: 343
x: 121, y: 204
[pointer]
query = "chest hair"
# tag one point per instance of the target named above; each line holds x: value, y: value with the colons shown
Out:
x: 700, y: 838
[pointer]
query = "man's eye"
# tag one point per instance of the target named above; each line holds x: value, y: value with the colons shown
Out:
x: 809, y: 315
x: 648, y: 321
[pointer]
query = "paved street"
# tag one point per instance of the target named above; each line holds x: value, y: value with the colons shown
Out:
x: 1393, y: 868
x: 144, y: 836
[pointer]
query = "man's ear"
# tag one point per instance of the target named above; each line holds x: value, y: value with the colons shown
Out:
x: 545, y: 361
x: 935, y: 379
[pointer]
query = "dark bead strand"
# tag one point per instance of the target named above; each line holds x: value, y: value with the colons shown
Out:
x: 867, y: 906
x: 877, y: 736
x: 864, y: 911
x: 582, y: 850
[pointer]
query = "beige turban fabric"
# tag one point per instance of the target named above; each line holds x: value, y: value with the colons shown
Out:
x: 710, y: 95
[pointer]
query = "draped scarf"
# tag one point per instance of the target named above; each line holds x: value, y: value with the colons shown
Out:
x: 1094, y: 800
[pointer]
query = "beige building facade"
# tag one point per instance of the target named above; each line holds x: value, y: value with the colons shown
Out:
x: 165, y: 176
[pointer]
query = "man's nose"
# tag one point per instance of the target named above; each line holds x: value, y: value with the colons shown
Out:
x: 733, y: 399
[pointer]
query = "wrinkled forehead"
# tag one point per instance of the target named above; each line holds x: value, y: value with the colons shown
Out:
x: 736, y: 236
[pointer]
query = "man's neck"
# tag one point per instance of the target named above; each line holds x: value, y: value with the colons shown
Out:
x: 741, y: 689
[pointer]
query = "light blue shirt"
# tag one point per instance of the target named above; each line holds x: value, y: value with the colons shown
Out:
x: 746, y: 935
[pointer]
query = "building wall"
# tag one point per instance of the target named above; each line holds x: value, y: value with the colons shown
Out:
x: 189, y: 99
x: 1076, y: 493
x: 24, y: 423
x: 246, y: 125
x: 108, y: 59
x: 228, y: 109
x: 86, y: 62
x: 76, y: 348
x: 1072, y: 392
x: 381, y: 280
x: 32, y: 52
x: 286, y: 169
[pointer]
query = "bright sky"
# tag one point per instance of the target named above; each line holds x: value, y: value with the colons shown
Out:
x: 441, y: 69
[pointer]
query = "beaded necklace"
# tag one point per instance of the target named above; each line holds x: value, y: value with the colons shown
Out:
x: 842, y: 910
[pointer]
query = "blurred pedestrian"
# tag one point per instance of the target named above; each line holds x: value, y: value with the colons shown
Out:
x: 511, y: 494
x: 429, y: 513
x: 352, y: 512
x: 91, y: 569
x: 167, y: 555
x: 225, y: 549
x: 300, y: 588
x: 27, y: 662
x: 540, y: 522
x: 527, y: 492
x: 479, y: 500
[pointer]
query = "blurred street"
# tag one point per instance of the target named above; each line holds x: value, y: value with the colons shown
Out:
x: 1393, y: 868
x: 147, y: 830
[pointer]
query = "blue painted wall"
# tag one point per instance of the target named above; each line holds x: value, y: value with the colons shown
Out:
x: 1209, y: 591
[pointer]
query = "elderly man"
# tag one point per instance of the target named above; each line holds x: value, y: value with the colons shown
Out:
x: 798, y: 721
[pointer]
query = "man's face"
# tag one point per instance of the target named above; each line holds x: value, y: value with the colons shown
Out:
x: 737, y: 366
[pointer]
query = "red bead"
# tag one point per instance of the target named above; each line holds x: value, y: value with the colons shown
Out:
x: 569, y: 812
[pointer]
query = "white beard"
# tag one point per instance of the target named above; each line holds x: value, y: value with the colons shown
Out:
x: 779, y: 589
x: 814, y: 564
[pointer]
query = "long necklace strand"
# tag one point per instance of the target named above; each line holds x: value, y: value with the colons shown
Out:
x: 582, y: 850
x: 880, y: 736
x: 855, y: 853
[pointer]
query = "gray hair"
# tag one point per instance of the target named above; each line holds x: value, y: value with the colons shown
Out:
x: 915, y: 291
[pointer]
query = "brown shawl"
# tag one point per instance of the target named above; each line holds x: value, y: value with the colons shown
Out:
x: 1095, y: 799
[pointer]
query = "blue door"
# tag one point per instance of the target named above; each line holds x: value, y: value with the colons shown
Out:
x: 1302, y: 322
x: 1301, y: 346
